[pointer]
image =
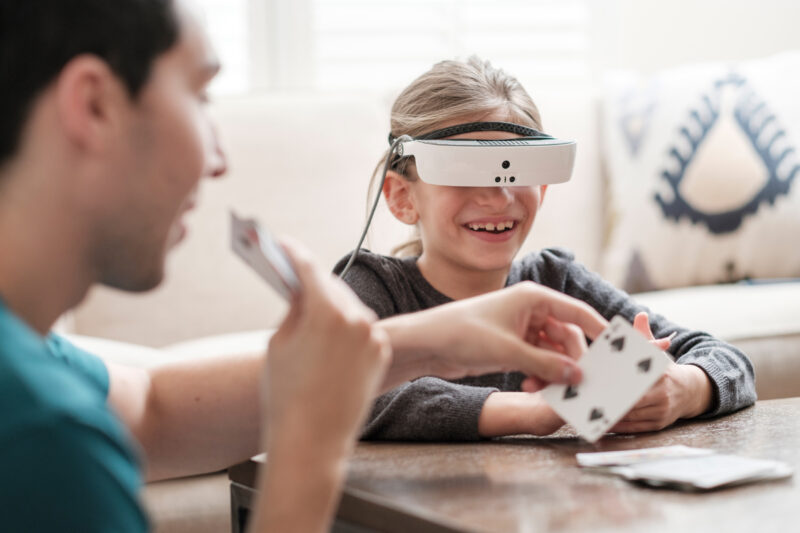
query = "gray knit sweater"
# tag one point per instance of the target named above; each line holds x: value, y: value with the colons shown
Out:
x: 433, y: 409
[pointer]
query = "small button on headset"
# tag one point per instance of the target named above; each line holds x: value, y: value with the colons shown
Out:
x: 512, y: 179
x: 497, y: 179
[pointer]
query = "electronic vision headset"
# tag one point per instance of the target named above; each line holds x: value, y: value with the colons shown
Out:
x: 535, y: 158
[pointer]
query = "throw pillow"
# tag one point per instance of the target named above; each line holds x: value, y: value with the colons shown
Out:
x: 701, y: 164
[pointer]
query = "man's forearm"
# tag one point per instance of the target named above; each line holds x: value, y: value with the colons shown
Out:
x: 413, y: 347
x: 201, y: 415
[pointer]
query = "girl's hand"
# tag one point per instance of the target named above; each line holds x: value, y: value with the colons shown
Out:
x: 641, y: 323
x: 684, y: 391
x: 517, y: 413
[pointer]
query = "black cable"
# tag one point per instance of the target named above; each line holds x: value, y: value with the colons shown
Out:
x: 395, y: 144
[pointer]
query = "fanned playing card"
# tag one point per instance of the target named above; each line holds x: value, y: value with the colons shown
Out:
x: 618, y: 369
x: 264, y: 255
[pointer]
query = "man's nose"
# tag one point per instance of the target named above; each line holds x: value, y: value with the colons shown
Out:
x: 218, y: 160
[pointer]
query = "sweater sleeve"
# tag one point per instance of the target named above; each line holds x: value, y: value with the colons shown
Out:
x: 428, y: 408
x: 728, y: 369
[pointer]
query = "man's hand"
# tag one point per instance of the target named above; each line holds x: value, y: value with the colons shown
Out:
x: 324, y: 366
x: 526, y: 328
x: 326, y: 360
x: 684, y: 391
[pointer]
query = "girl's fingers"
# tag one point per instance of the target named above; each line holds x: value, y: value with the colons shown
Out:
x: 641, y: 323
x: 652, y: 412
x: 662, y: 344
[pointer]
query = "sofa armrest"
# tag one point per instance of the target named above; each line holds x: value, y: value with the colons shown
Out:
x: 761, y: 319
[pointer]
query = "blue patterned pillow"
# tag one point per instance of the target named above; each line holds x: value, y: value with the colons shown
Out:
x: 703, y: 174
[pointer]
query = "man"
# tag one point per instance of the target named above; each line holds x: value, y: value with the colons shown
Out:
x: 103, y: 141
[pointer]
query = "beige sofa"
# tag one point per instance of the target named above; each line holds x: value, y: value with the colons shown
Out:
x: 301, y: 163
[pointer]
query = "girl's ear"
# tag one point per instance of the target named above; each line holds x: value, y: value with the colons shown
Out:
x: 396, y: 190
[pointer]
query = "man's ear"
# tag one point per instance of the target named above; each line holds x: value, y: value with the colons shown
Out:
x: 397, y: 192
x: 89, y: 98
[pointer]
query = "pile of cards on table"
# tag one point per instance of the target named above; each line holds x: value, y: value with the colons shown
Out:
x: 684, y: 468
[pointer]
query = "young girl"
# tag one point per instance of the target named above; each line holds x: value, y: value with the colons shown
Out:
x: 467, y: 240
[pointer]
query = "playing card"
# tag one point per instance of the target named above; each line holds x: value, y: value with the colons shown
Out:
x: 704, y: 473
x: 630, y: 457
x: 618, y: 369
x: 259, y: 250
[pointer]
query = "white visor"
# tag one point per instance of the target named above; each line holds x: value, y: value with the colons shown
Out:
x: 490, y: 163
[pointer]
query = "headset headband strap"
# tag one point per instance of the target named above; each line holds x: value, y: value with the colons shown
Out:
x: 470, y: 127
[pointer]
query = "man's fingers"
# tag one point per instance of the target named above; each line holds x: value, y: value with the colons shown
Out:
x: 547, y: 302
x: 302, y: 260
x: 532, y: 384
x: 569, y: 336
x: 548, y: 366
x: 545, y: 343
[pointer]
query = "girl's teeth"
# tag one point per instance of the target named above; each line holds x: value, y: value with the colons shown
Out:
x: 502, y: 226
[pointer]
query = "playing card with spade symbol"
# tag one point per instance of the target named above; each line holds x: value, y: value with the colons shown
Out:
x: 263, y: 254
x: 618, y: 369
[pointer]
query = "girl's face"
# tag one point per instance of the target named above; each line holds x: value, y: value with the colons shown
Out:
x: 477, y: 228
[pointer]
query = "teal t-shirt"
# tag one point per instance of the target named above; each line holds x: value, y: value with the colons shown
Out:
x: 67, y: 463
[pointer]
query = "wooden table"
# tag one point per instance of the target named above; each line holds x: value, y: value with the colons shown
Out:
x: 525, y: 484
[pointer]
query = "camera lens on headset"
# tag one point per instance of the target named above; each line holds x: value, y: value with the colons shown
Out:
x: 506, y: 164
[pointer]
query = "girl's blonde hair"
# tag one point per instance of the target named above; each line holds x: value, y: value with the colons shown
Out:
x: 449, y: 91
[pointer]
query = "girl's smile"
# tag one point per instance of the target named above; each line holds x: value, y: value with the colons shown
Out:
x: 469, y: 235
x: 493, y: 229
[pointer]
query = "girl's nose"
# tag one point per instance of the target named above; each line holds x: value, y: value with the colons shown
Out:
x: 495, y: 197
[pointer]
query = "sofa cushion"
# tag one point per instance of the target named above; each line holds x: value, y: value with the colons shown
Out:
x: 122, y: 353
x: 701, y: 162
x: 221, y: 345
